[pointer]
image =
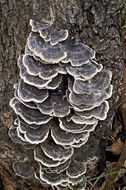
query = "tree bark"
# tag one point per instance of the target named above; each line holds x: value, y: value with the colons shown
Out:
x: 96, y: 23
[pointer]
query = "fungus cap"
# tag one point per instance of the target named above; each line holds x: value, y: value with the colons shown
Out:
x: 99, y: 112
x: 64, y: 138
x: 23, y: 169
x: 81, y: 102
x: 37, y: 68
x: 76, y: 128
x: 84, y: 72
x: 30, y: 116
x: 77, y: 53
x: 55, y: 105
x: 29, y: 79
x: 34, y: 135
x: 46, y: 52
x: 57, y: 36
x: 40, y: 156
x: 30, y: 93
x: 56, y: 152
x: 76, y: 169
x: 98, y: 83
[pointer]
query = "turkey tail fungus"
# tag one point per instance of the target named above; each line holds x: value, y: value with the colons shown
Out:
x: 61, y: 96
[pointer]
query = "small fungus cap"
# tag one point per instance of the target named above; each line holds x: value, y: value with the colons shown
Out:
x: 77, y: 53
x: 47, y: 52
x: 84, y: 72
x: 30, y: 116
x: 23, y: 169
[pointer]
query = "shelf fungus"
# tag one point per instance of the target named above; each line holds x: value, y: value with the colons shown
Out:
x: 55, y: 105
x: 47, y: 52
x: 23, y: 168
x: 61, y: 96
x: 77, y: 53
x: 85, y: 72
x: 48, y: 33
x: 44, y: 71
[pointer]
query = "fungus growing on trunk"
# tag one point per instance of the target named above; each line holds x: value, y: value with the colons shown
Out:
x: 61, y: 97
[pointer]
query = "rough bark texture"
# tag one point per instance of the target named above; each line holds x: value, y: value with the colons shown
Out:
x: 96, y: 23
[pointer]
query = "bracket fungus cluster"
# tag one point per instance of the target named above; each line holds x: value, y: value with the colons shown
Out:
x: 60, y: 98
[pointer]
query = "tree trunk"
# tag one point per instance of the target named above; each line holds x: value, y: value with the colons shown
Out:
x: 97, y: 24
